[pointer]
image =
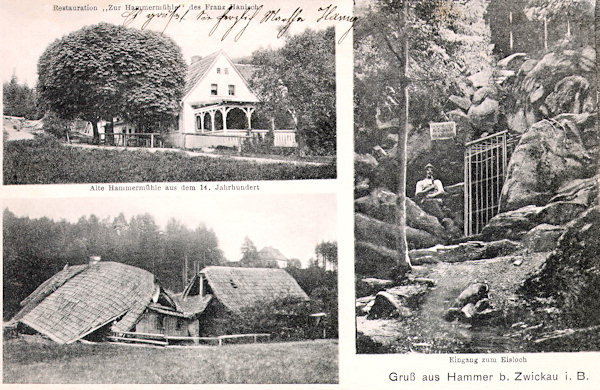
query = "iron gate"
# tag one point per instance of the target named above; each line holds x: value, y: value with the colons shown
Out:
x: 485, y: 168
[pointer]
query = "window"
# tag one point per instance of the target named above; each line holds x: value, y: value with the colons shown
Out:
x: 226, y: 70
x: 213, y: 89
x: 198, y: 122
x: 218, y: 70
x: 231, y: 90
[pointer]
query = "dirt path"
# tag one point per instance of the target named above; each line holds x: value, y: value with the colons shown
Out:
x: 18, y: 128
x: 258, y: 160
x: 427, y: 330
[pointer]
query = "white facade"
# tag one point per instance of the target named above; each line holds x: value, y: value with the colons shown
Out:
x: 218, y: 89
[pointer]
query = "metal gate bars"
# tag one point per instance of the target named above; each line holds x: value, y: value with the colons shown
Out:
x: 485, y: 168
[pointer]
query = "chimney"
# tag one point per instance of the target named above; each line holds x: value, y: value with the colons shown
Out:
x: 94, y: 260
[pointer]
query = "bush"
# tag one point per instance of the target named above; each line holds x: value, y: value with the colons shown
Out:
x: 283, y: 319
x: 55, y: 125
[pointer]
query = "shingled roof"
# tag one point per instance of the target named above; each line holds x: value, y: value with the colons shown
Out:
x: 269, y: 253
x: 237, y: 288
x: 83, y: 298
x: 197, y: 70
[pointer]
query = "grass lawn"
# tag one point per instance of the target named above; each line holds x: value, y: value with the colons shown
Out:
x: 46, y: 161
x: 314, y: 361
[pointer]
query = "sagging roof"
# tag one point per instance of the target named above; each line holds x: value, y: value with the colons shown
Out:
x: 237, y: 288
x: 81, y: 299
x: 193, y: 304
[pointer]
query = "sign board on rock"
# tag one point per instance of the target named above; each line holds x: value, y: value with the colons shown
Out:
x: 442, y: 130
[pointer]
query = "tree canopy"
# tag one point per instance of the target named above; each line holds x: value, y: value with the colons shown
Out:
x: 35, y: 249
x: 418, y: 49
x: 106, y: 71
x: 298, y: 81
x: 19, y: 100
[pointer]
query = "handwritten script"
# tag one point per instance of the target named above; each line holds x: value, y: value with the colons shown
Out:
x: 234, y: 21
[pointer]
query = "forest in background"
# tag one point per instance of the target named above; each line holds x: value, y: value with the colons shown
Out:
x: 36, y: 249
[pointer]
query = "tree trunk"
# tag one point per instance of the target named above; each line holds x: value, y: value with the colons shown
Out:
x: 403, y: 261
x: 109, y: 132
x: 96, y: 133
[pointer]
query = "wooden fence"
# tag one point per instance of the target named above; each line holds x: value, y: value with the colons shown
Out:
x: 164, y: 340
x: 149, y: 140
x: 231, y: 138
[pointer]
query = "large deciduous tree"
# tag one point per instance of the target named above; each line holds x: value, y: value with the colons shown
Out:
x: 105, y: 71
x: 299, y: 80
x: 422, y: 49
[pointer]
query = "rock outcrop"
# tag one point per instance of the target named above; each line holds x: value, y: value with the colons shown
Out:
x: 550, y: 154
x: 571, y: 274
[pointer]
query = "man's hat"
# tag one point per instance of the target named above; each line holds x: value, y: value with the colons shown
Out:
x: 429, y: 166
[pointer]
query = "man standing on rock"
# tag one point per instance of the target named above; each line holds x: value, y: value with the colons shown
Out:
x: 428, y: 193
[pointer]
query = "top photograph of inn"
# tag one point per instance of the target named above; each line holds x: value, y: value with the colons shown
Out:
x: 184, y: 94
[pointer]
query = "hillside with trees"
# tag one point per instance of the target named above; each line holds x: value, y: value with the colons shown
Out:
x: 36, y: 249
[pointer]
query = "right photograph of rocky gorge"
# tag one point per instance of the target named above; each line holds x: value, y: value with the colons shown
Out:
x: 477, y: 227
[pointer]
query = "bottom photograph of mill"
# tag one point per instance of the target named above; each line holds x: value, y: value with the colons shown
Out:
x: 240, y: 289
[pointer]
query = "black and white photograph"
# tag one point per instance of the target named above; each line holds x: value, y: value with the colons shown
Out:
x: 181, y: 92
x: 140, y: 290
x: 476, y: 194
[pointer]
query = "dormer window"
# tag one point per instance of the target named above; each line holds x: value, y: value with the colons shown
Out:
x: 213, y: 89
x: 231, y: 90
x: 218, y: 70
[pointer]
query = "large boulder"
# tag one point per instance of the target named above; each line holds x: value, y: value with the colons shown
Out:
x: 481, y: 79
x: 484, y: 92
x: 397, y: 301
x: 384, y: 234
x: 517, y: 121
x: 460, y: 102
x: 568, y: 96
x: 466, y: 251
x: 513, y: 61
x: 543, y: 238
x: 571, y: 200
x: 512, y: 224
x: 571, y: 274
x: 381, y: 204
x: 548, y: 155
x: 484, y: 116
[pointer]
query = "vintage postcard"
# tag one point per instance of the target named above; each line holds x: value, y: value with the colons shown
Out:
x: 161, y: 92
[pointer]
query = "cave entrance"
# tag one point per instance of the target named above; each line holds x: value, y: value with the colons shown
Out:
x: 486, y: 160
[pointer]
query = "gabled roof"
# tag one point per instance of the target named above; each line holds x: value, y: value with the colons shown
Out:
x: 83, y: 298
x: 197, y: 70
x: 269, y: 253
x: 237, y: 288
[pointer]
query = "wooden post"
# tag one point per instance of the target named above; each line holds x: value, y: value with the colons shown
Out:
x: 152, y: 140
x: 510, y: 31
